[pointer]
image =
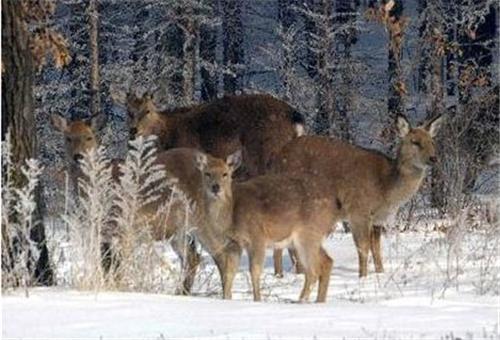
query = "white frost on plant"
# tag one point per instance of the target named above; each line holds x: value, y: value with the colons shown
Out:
x: 19, y: 251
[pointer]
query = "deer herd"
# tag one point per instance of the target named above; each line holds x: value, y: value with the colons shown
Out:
x: 258, y: 181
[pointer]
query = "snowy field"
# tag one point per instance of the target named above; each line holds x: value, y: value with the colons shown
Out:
x: 413, y: 300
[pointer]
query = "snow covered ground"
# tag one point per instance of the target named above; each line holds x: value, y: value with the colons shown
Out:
x: 410, y: 301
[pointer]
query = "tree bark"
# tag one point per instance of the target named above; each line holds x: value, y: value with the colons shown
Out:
x: 18, y: 117
x: 233, y: 44
x: 207, y: 53
x: 395, y: 99
x: 345, y: 14
x: 208, y: 45
x: 190, y: 56
x: 327, y: 91
x: 95, y: 98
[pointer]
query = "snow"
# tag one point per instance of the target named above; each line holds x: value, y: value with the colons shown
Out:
x: 393, y: 306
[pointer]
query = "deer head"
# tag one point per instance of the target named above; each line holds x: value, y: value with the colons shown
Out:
x: 142, y: 113
x: 217, y: 174
x: 79, y: 135
x: 417, y: 144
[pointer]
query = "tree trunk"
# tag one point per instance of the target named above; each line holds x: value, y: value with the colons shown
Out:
x: 208, y: 44
x: 327, y: 95
x: 345, y: 15
x: 395, y: 105
x: 233, y: 44
x: 175, y: 46
x: 190, y: 56
x: 18, y: 113
x: 95, y: 97
x: 286, y: 19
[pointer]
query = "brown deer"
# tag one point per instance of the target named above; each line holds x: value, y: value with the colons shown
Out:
x: 269, y: 210
x: 81, y: 136
x: 369, y: 185
x: 260, y: 125
x: 181, y: 163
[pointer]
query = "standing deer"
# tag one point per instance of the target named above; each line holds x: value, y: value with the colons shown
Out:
x: 260, y: 125
x: 81, y: 136
x: 181, y: 163
x: 269, y: 210
x: 369, y: 185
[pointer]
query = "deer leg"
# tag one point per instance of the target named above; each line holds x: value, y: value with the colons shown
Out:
x: 311, y: 279
x: 308, y: 256
x: 193, y: 260
x: 233, y: 254
x: 190, y: 259
x: 376, y: 234
x: 361, y: 234
x: 107, y: 258
x: 299, y: 269
x: 278, y: 262
x: 326, y: 264
x: 110, y: 261
x: 256, y: 256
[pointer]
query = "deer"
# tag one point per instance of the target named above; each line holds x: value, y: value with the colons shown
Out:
x: 181, y: 165
x: 369, y: 185
x: 267, y: 211
x: 258, y: 124
x: 81, y: 135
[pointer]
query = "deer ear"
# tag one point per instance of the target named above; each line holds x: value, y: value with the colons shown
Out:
x: 98, y: 122
x: 434, y: 125
x: 234, y: 160
x: 403, y: 126
x: 59, y: 122
x: 201, y: 161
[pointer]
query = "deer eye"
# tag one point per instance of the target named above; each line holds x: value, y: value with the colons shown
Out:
x: 224, y: 174
x: 417, y: 143
x: 207, y: 174
x: 89, y: 139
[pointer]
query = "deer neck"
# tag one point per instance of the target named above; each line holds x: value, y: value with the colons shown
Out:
x: 217, y: 218
x: 167, y: 125
x: 74, y: 173
x: 405, y: 181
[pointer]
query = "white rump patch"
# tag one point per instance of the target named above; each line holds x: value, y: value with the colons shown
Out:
x: 300, y: 130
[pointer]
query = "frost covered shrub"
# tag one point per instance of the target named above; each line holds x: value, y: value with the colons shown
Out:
x: 111, y: 243
x: 142, y: 183
x: 19, y: 251
x: 89, y: 219
x: 457, y: 253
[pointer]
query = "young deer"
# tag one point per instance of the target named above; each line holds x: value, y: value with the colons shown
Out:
x: 266, y: 211
x: 369, y: 185
x: 209, y: 205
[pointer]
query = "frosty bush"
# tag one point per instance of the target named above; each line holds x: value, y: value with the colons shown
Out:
x: 447, y: 255
x: 142, y: 183
x: 119, y: 212
x: 89, y: 219
x: 19, y: 252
